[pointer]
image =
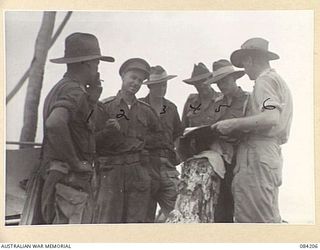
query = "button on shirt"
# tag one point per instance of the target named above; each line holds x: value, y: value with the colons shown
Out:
x: 271, y: 91
x: 138, y: 125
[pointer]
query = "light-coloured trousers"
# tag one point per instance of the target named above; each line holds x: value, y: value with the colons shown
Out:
x: 255, y: 187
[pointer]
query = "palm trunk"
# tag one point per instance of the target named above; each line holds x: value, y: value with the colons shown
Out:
x: 26, y: 74
x: 42, y: 46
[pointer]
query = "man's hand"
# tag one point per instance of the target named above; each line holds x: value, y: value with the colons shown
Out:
x: 225, y: 127
x: 94, y: 89
x: 112, y: 125
x: 166, y: 162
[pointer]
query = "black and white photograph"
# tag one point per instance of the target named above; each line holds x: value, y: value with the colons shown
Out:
x: 116, y: 117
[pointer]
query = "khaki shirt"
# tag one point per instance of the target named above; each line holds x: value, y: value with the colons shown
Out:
x: 170, y: 125
x: 218, y: 109
x: 196, y: 114
x: 69, y: 94
x: 270, y: 91
x: 139, y: 127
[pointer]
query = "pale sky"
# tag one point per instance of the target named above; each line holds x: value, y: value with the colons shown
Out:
x: 178, y: 40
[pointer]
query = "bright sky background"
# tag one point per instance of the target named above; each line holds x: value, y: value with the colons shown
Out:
x: 178, y: 40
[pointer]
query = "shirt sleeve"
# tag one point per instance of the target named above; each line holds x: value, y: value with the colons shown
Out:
x: 106, y: 139
x: 267, y: 94
x: 72, y: 99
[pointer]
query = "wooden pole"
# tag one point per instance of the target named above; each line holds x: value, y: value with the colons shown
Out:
x: 26, y: 74
x: 42, y: 46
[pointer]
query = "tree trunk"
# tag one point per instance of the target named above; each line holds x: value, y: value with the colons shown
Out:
x: 42, y: 46
x: 26, y: 74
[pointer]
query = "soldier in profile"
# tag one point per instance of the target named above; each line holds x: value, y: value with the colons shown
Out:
x: 62, y: 190
x: 258, y: 171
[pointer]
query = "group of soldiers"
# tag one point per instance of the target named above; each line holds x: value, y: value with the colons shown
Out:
x: 113, y: 161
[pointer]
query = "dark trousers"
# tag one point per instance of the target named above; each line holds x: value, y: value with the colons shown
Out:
x: 165, y: 194
x: 61, y: 207
x: 123, y: 195
x: 225, y: 207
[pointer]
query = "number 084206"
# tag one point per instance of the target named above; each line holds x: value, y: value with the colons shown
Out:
x: 304, y: 245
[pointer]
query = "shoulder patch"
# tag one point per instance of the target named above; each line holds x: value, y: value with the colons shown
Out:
x: 108, y: 99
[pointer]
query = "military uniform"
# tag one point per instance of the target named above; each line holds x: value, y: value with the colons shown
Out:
x: 229, y: 108
x: 167, y: 193
x: 259, y: 161
x: 125, y: 159
x: 67, y: 193
x: 65, y: 178
x: 196, y: 114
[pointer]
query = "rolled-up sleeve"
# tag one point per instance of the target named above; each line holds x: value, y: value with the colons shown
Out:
x: 72, y: 100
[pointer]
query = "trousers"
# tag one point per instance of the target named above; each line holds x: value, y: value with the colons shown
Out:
x: 255, y: 186
x: 123, y: 193
x: 166, y: 194
x: 65, y: 195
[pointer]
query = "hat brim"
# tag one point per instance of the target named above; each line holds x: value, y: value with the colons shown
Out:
x: 236, y: 74
x: 237, y: 56
x: 66, y: 60
x: 169, y: 77
x: 197, y: 78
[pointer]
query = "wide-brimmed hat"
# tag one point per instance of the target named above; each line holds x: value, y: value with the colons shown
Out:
x: 135, y: 63
x: 158, y: 75
x: 223, y: 68
x: 199, y: 72
x: 252, y: 46
x: 80, y: 47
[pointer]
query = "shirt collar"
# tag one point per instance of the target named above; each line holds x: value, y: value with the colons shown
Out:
x: 119, y: 97
x: 264, y: 72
